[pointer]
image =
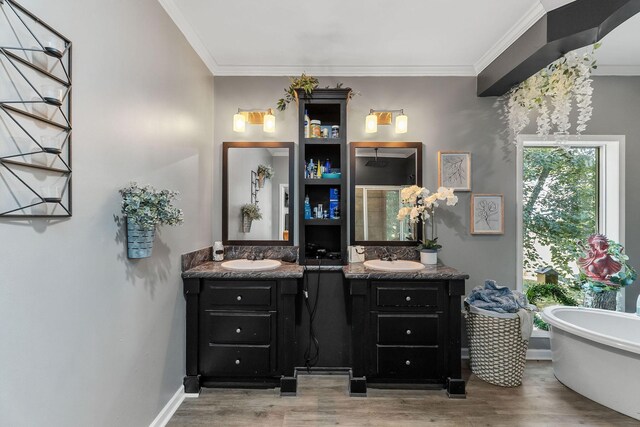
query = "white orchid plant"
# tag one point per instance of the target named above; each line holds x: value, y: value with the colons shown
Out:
x: 421, y: 206
x: 551, y: 93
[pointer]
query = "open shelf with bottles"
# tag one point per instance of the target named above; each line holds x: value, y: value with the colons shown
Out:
x: 326, y: 230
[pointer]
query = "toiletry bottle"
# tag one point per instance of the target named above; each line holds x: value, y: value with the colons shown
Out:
x: 638, y: 306
x: 327, y: 166
x: 311, y: 169
x: 307, y: 124
x: 218, y: 251
x: 307, y: 208
x: 306, y: 170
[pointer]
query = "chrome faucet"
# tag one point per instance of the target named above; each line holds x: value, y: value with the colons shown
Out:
x: 387, y: 255
x: 255, y: 255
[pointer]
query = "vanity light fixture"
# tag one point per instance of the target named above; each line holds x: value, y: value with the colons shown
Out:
x: 269, y: 125
x: 265, y: 117
x: 384, y: 117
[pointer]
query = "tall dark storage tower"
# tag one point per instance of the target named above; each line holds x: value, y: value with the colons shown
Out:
x: 329, y: 106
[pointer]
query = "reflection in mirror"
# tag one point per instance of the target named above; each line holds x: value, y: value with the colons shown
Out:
x: 258, y: 195
x: 381, y: 171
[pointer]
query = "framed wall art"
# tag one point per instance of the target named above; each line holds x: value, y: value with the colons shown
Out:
x: 487, y: 214
x: 454, y: 170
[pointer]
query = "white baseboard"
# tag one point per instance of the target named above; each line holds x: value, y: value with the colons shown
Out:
x: 169, y: 409
x: 532, y: 354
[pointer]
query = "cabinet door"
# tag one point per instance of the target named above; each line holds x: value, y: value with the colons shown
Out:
x: 408, y: 362
x: 258, y: 295
x: 238, y: 328
x: 408, y: 295
x: 407, y: 329
x: 220, y: 360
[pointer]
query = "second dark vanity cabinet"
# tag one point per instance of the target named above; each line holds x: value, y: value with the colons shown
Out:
x: 406, y: 332
x: 240, y: 333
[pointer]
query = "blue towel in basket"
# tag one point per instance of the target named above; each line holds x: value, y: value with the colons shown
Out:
x: 496, y: 298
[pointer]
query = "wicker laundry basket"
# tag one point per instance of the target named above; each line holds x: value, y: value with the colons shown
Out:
x: 497, y: 351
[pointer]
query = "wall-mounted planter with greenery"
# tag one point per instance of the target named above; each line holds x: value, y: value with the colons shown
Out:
x: 250, y: 212
x: 145, y: 208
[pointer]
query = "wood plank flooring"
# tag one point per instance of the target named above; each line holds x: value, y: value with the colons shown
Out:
x: 324, y: 401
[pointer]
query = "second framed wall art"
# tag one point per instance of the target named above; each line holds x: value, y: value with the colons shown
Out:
x: 487, y: 214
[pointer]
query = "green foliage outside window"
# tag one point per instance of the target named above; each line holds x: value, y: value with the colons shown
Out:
x: 560, y: 204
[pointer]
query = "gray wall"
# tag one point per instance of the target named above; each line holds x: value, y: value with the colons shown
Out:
x: 445, y: 114
x: 88, y: 337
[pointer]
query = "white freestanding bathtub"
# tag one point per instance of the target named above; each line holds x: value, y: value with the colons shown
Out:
x: 597, y: 354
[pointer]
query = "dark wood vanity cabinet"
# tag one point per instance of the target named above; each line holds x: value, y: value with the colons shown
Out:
x: 406, y: 333
x: 240, y: 333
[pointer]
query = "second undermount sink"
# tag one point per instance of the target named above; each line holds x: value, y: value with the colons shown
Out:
x: 399, y: 265
x: 249, y: 265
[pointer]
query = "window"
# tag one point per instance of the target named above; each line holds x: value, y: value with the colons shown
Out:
x: 564, y: 193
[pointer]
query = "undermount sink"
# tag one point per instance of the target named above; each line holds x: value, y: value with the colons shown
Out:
x: 399, y: 265
x: 249, y: 265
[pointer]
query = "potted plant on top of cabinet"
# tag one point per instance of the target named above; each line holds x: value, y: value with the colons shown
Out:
x: 144, y: 208
x: 419, y: 207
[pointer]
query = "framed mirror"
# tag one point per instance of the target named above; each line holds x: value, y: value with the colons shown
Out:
x: 257, y: 193
x: 378, y: 173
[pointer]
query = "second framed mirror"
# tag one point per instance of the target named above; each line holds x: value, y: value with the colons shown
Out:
x: 378, y: 173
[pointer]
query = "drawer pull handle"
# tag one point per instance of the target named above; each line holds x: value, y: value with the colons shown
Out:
x: 237, y: 361
x: 408, y: 298
x: 238, y: 330
x: 408, y: 331
x: 239, y: 297
x: 408, y: 362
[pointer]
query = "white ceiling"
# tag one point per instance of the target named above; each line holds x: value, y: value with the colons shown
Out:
x: 355, y: 37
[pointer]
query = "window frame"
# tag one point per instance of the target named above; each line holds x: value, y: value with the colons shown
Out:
x: 611, y: 200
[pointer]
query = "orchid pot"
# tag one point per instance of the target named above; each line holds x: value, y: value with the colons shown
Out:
x: 429, y: 256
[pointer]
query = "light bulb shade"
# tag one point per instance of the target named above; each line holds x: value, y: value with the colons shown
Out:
x: 269, y: 125
x: 371, y: 123
x: 401, y: 124
x: 239, y: 123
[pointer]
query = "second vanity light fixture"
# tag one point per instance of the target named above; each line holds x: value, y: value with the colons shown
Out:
x: 384, y: 117
x: 266, y: 118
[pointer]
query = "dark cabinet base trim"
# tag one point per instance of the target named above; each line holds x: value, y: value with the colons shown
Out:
x: 191, y: 384
x: 456, y: 388
x: 357, y: 386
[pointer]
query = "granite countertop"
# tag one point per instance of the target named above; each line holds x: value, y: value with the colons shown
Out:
x: 213, y: 270
x: 435, y: 272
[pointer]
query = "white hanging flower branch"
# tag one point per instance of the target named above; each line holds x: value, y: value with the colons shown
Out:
x: 551, y: 93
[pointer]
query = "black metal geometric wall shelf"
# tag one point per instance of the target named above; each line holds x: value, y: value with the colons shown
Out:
x: 35, y: 116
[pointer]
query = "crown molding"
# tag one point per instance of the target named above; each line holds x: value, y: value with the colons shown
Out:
x: 346, y: 70
x: 190, y: 34
x: 523, y: 24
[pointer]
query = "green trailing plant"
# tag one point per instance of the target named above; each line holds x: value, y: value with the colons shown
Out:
x: 148, y: 207
x: 304, y: 82
x: 308, y: 84
x: 266, y: 171
x: 251, y: 211
x: 549, y: 292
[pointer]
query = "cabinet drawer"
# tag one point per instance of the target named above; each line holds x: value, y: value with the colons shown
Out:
x: 246, y: 294
x: 407, y: 362
x: 399, y: 294
x: 238, y: 328
x: 230, y: 360
x: 407, y: 329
